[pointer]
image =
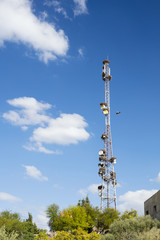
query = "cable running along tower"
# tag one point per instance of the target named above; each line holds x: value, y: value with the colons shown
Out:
x: 107, y: 190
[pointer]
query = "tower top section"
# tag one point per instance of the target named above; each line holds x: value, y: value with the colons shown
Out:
x: 106, y: 71
x: 106, y: 61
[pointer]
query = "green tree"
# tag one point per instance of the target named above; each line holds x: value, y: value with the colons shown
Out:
x: 12, y: 222
x: 9, y: 215
x: 92, y: 213
x: 30, y: 218
x: 106, y: 218
x: 129, y: 214
x: 73, y: 218
x: 53, y: 214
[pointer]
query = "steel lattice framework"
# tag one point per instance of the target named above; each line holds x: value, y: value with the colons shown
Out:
x: 107, y: 190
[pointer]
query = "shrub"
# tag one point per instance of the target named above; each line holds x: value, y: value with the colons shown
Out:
x: 133, y: 227
x: 153, y: 234
x: 41, y: 236
x: 76, y: 234
x: 107, y: 236
x: 7, y: 236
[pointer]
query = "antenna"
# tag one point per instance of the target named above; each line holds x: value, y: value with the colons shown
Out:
x: 107, y: 190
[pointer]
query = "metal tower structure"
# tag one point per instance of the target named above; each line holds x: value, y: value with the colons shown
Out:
x: 107, y: 190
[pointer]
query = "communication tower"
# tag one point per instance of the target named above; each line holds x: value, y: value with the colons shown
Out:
x: 107, y: 190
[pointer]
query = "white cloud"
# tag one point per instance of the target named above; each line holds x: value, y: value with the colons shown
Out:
x: 41, y: 220
x: 31, y: 112
x: 19, y: 24
x: 157, y: 179
x: 33, y: 172
x: 80, y: 7
x: 135, y: 200
x: 9, y: 197
x: 93, y: 189
x: 63, y: 130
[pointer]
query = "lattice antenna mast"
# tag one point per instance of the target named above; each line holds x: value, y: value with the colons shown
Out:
x: 107, y: 190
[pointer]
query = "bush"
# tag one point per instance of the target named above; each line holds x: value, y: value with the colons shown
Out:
x: 153, y: 234
x: 77, y: 234
x: 107, y: 236
x: 106, y: 218
x: 7, y: 236
x: 132, y: 228
x: 41, y: 236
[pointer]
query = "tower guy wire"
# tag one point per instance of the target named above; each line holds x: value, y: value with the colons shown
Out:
x: 107, y: 190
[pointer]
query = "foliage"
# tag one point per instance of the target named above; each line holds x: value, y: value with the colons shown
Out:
x: 76, y: 234
x: 30, y: 218
x: 153, y: 234
x: 132, y: 228
x: 53, y: 214
x: 73, y: 218
x: 9, y: 215
x: 12, y: 222
x: 129, y: 214
x: 41, y: 236
x: 92, y: 213
x: 106, y: 218
x: 7, y: 236
x: 62, y: 235
x: 107, y: 236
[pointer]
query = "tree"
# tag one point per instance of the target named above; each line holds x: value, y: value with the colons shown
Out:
x: 53, y: 214
x: 9, y: 215
x: 12, y: 222
x: 129, y: 214
x: 73, y: 218
x: 92, y: 213
x: 30, y: 218
x: 106, y: 218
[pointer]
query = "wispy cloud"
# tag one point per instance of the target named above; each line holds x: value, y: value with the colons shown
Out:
x: 64, y: 130
x: 135, y: 200
x: 57, y: 186
x: 57, y: 7
x: 37, y: 147
x: 9, y: 197
x: 33, y: 172
x: 80, y: 51
x: 19, y: 24
x: 80, y: 7
x: 157, y: 179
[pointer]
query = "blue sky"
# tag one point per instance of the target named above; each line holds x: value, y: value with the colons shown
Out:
x: 51, y: 55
